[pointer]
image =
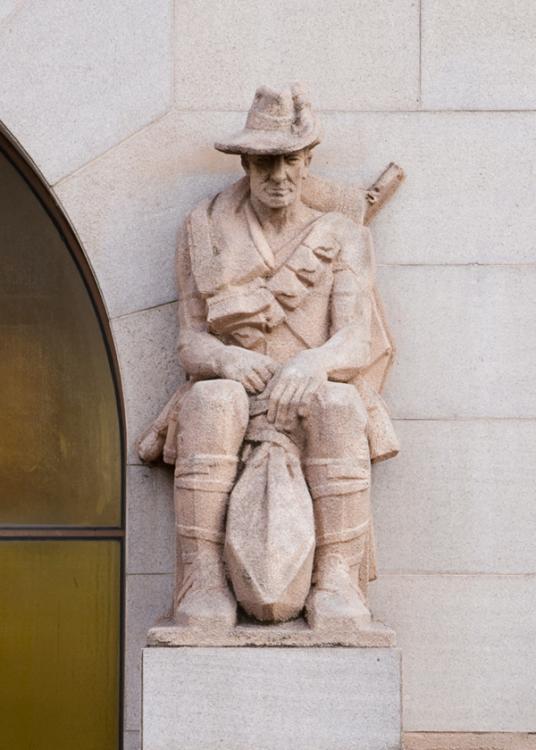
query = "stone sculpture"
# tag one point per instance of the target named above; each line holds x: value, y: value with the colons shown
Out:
x: 283, y: 340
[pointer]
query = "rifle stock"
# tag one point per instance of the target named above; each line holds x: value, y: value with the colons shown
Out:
x: 384, y: 187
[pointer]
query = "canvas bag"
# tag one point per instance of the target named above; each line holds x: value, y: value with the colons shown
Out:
x: 270, y: 533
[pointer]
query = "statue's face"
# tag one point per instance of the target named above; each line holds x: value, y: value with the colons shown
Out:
x: 275, y: 180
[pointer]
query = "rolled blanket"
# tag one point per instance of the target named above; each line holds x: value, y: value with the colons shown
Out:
x: 270, y: 534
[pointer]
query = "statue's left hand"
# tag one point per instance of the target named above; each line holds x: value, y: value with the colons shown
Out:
x: 294, y: 386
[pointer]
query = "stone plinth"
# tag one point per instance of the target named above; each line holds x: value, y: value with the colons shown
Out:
x: 294, y: 633
x: 271, y: 699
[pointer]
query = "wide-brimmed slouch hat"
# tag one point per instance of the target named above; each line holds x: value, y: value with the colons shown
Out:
x: 278, y: 122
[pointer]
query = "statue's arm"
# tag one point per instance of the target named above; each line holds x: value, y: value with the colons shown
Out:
x: 199, y: 351
x: 348, y: 348
x: 201, y: 354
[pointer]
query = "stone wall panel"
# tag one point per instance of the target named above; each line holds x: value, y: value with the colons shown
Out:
x: 79, y: 77
x: 457, y: 204
x: 479, y: 54
x: 148, y: 598
x: 467, y: 644
x: 7, y: 7
x: 127, y: 205
x: 225, y: 50
x: 132, y: 741
x: 150, y: 520
x: 150, y: 372
x: 465, y: 347
x: 459, y: 498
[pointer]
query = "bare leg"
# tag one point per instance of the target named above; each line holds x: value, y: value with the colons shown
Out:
x: 212, y: 422
x: 337, y: 469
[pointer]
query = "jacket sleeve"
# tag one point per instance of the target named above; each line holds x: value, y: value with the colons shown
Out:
x: 200, y: 353
x: 351, y: 298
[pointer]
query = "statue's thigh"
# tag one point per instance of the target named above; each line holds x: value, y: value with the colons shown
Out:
x: 213, y: 417
x: 336, y: 421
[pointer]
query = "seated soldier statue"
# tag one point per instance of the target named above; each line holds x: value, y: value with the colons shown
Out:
x: 283, y: 342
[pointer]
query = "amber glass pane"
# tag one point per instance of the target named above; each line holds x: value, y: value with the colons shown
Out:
x: 59, y: 431
x: 59, y: 645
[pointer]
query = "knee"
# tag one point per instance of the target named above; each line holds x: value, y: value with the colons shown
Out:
x: 221, y: 397
x: 339, y: 400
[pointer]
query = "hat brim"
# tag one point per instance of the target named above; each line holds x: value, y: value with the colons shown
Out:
x: 250, y: 141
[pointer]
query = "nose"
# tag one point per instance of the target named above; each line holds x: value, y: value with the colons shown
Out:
x: 277, y: 173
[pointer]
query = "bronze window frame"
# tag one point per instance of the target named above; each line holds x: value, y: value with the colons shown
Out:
x: 35, y: 181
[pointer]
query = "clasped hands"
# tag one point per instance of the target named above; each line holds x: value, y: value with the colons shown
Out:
x: 289, y: 387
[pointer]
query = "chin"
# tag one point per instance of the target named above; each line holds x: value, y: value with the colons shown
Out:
x: 275, y: 202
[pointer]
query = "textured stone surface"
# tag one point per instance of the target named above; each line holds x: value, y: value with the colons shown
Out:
x: 468, y: 644
x: 463, y: 341
x: 148, y: 598
x: 150, y: 372
x: 294, y: 633
x: 96, y: 73
x: 7, y: 7
x: 150, y: 521
x: 372, y: 51
x: 469, y: 198
x: 276, y: 298
x: 131, y: 741
x: 460, y: 498
x: 268, y: 699
x: 469, y: 741
x: 127, y: 205
x: 479, y: 54
x: 456, y: 204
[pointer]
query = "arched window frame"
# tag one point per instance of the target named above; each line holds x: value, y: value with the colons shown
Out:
x: 16, y: 155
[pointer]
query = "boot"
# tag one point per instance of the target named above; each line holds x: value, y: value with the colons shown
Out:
x: 202, y: 487
x: 340, y: 491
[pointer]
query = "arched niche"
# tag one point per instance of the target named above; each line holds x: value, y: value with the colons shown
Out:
x: 61, y: 480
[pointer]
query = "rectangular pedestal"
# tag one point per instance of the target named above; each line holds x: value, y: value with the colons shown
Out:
x: 294, y: 633
x: 271, y: 699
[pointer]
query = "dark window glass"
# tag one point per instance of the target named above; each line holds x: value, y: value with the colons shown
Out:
x: 60, y: 456
x: 59, y: 644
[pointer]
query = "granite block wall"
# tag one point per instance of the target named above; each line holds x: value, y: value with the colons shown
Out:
x: 118, y: 104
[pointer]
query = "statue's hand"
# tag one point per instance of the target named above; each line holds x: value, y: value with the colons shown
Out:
x: 294, y: 386
x: 252, y: 369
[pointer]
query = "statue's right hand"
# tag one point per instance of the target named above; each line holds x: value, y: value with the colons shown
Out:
x: 252, y: 369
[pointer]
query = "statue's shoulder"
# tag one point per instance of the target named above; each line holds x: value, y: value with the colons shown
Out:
x: 230, y: 199
x: 333, y: 197
x: 336, y: 230
x: 204, y: 227
x: 339, y: 223
x: 341, y: 239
